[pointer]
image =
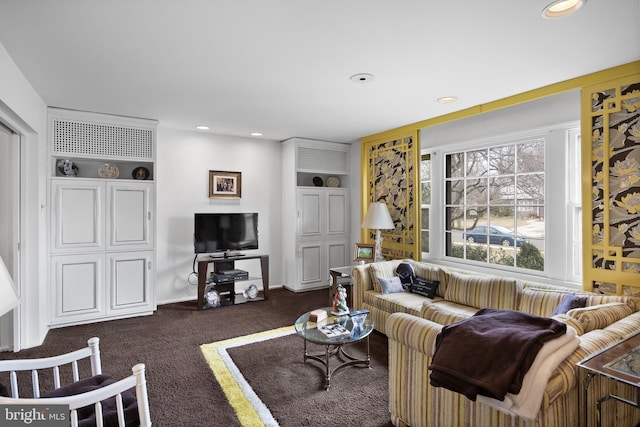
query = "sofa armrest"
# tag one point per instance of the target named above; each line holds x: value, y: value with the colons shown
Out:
x: 364, y: 277
x: 413, y: 332
x: 361, y: 284
x: 565, y: 376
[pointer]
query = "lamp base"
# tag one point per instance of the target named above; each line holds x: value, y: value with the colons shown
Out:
x: 378, y: 257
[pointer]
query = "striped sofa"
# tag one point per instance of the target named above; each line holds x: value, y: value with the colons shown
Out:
x: 412, y: 322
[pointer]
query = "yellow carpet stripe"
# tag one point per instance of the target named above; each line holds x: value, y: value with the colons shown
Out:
x: 243, y: 407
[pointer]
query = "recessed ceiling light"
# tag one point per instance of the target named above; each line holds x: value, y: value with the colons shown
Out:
x: 256, y: 133
x: 361, y: 78
x: 202, y: 127
x: 560, y: 8
x: 447, y: 99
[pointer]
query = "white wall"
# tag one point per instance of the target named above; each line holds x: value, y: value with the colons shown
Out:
x: 183, y: 161
x: 24, y: 111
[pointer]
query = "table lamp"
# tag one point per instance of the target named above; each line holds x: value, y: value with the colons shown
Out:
x: 378, y: 218
x: 8, y: 297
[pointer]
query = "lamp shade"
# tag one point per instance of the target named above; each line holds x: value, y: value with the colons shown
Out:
x: 378, y: 217
x: 8, y: 297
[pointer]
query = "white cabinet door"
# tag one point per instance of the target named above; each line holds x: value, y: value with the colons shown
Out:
x: 310, y: 213
x: 338, y: 253
x: 129, y: 212
x: 77, y: 215
x: 312, y: 265
x: 316, y: 257
x: 322, y: 236
x: 129, y: 282
x: 78, y: 286
x: 323, y: 212
x: 337, y: 212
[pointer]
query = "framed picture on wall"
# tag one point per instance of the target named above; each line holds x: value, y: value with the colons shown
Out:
x: 363, y: 252
x: 225, y: 185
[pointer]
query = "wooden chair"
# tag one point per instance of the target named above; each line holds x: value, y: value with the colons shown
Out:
x: 85, y: 397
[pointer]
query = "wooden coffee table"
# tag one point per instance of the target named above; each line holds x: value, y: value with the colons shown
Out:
x: 334, y: 346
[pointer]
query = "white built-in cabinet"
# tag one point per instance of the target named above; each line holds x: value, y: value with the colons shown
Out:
x: 101, y: 229
x: 315, y: 217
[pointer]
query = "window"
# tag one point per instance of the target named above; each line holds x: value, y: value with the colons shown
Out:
x: 425, y: 200
x: 528, y: 182
x: 574, y: 252
x: 495, y: 204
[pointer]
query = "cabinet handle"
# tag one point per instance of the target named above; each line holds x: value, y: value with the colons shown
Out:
x: 149, y: 265
x: 149, y: 215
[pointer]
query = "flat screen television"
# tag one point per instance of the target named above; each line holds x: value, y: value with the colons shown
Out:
x: 225, y: 232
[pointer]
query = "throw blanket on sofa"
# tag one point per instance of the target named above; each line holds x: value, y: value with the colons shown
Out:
x: 490, y: 352
x: 527, y: 403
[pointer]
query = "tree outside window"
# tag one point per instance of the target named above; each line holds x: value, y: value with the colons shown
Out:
x: 494, y: 211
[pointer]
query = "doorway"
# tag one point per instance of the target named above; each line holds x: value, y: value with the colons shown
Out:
x: 9, y: 226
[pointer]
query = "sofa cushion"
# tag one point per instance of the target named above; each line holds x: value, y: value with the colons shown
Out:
x: 598, y: 299
x: 390, y: 285
x: 600, y: 316
x: 569, y: 302
x: 446, y: 312
x: 401, y: 302
x: 592, y: 297
x: 482, y: 292
x: 87, y: 415
x: 381, y: 269
x: 425, y: 287
x: 570, y: 321
x: 406, y: 273
x: 431, y: 272
x: 541, y: 301
x: 626, y: 326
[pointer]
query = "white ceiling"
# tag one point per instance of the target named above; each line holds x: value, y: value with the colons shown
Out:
x: 282, y: 67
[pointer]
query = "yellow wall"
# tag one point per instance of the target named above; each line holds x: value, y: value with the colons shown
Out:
x: 611, y: 186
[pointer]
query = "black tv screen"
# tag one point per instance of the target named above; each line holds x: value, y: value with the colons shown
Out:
x: 225, y: 232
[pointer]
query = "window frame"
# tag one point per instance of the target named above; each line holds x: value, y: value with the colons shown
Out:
x: 558, y: 259
x: 425, y: 156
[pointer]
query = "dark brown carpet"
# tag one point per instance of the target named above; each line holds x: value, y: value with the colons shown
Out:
x: 183, y: 390
x: 294, y: 390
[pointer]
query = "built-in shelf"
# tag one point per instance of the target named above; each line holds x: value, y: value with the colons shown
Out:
x: 306, y: 179
x: 101, y: 226
x: 90, y: 168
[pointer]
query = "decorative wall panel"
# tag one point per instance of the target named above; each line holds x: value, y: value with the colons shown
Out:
x: 611, y: 203
x: 99, y: 139
x: 390, y: 176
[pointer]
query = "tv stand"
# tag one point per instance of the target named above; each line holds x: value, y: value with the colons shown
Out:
x: 228, y: 263
x: 234, y: 255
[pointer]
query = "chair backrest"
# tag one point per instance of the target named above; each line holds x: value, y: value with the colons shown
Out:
x: 94, y: 398
x: 92, y: 352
